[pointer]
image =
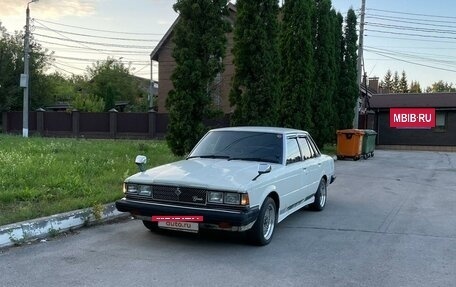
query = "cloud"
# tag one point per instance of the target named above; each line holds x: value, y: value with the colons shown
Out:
x: 49, y: 9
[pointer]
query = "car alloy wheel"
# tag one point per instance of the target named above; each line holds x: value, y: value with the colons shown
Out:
x: 262, y: 231
x: 320, y: 197
x: 269, y: 221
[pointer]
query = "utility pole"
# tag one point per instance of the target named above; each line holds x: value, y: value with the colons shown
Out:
x: 360, y: 58
x: 25, y: 78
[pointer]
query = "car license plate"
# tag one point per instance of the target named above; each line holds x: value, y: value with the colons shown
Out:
x: 179, y: 225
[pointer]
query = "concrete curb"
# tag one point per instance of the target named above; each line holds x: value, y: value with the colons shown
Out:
x: 21, y: 232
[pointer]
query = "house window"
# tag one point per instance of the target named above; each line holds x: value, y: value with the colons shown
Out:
x: 440, y: 121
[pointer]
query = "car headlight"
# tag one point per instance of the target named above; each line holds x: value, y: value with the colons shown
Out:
x: 141, y: 189
x: 215, y: 197
x: 232, y: 198
x: 131, y: 188
x: 145, y: 190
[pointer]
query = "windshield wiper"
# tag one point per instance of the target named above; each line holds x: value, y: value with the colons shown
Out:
x: 209, y: 156
x: 253, y: 159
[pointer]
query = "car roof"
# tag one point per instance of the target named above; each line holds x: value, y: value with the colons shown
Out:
x: 277, y: 130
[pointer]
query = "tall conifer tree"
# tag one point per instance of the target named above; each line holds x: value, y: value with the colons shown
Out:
x: 322, y: 103
x: 349, y: 91
x: 296, y: 49
x: 200, y: 44
x: 255, y: 91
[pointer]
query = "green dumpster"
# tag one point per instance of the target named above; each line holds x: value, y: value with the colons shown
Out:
x: 368, y: 143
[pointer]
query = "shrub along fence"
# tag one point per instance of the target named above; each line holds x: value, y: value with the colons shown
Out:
x: 112, y: 124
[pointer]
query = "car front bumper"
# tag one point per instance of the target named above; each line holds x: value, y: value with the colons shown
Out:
x: 237, y: 220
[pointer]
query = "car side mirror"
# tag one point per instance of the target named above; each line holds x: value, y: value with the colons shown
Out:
x: 262, y: 169
x: 141, y: 162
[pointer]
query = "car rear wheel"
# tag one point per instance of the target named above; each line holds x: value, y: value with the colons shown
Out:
x: 263, y: 229
x: 152, y: 226
x: 320, y: 197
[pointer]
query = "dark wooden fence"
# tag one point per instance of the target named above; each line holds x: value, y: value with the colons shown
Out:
x: 95, y: 125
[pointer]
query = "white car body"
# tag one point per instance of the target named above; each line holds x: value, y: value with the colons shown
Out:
x: 291, y: 184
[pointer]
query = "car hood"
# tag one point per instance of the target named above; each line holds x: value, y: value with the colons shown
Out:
x: 204, y: 173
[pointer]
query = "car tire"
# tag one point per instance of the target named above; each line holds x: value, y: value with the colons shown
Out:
x: 262, y: 231
x: 152, y: 226
x: 320, y: 197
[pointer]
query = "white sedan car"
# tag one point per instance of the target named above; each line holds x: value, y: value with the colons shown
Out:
x: 244, y: 179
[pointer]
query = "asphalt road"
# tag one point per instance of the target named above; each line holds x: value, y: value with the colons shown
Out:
x: 390, y: 221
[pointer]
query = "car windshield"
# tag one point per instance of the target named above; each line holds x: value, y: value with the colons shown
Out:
x: 240, y: 145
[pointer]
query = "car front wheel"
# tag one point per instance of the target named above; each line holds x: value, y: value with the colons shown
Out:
x: 320, y: 197
x: 263, y: 229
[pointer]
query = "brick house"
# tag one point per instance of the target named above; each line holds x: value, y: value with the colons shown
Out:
x: 166, y: 64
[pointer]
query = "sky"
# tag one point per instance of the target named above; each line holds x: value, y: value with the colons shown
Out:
x: 418, y: 37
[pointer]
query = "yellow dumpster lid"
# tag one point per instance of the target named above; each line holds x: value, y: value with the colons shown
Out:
x: 351, y: 131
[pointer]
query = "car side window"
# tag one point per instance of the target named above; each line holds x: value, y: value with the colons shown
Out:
x: 313, y: 146
x: 306, y: 150
x: 293, y: 152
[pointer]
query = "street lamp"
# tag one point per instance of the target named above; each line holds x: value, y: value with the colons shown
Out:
x: 25, y: 77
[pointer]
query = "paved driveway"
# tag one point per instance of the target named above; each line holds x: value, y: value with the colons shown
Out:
x: 390, y: 221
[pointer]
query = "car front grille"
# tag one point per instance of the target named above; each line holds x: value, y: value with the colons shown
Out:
x: 191, y: 195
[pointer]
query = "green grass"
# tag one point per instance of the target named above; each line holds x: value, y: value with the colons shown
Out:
x: 329, y: 149
x: 44, y: 176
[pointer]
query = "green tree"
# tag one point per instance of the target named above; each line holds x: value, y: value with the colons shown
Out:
x: 403, y: 84
x: 88, y: 103
x: 200, y: 44
x: 59, y: 87
x: 12, y: 66
x: 415, y: 87
x: 325, y: 79
x: 441, y: 87
x: 112, y: 81
x: 348, y: 88
x: 387, y: 83
x: 296, y: 49
x: 255, y: 91
x: 396, y: 81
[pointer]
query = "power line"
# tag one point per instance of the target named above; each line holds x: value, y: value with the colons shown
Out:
x: 408, y: 34
x: 95, y: 60
x: 407, y: 39
x: 72, y: 67
x: 136, y: 72
x: 411, y: 28
x: 62, y: 69
x: 414, y: 56
x: 96, y: 36
x: 403, y: 20
x: 413, y: 14
x: 410, y: 62
x: 95, y: 43
x: 97, y: 50
x: 68, y: 39
x: 99, y: 30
